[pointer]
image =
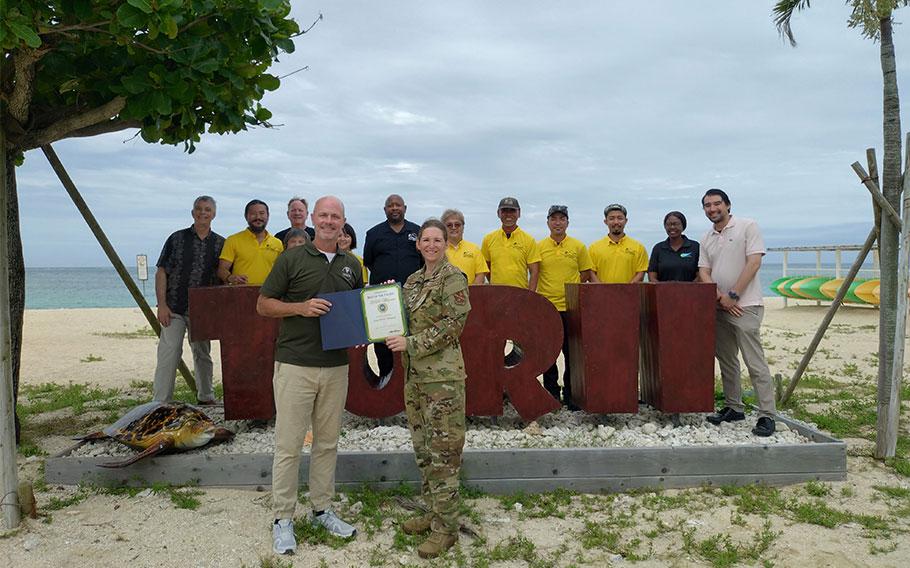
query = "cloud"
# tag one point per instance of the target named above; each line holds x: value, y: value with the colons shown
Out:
x: 460, y: 104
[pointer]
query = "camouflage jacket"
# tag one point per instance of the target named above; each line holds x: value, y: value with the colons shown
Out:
x: 438, y: 308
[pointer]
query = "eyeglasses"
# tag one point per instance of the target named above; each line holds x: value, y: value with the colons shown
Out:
x: 454, y: 225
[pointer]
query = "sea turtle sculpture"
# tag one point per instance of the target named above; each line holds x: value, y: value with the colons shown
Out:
x: 160, y: 427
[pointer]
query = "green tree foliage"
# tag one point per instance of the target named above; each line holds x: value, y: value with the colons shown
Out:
x: 173, y: 68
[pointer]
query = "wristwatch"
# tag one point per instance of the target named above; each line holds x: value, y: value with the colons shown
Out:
x: 733, y: 295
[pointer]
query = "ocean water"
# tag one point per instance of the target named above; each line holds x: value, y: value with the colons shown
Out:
x: 48, y: 288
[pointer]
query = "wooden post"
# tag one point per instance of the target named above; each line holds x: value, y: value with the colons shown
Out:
x: 108, y: 248
x: 900, y: 331
x: 837, y: 263
x: 818, y: 269
x: 9, y: 488
x: 783, y: 271
x: 880, y: 200
x: 841, y: 292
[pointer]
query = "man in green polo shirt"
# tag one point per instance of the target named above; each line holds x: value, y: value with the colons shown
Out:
x: 310, y: 384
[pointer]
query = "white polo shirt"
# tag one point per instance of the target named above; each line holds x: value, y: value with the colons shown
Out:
x: 725, y: 254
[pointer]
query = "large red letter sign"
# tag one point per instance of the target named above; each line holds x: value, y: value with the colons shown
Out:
x: 678, y: 346
x: 228, y: 313
x: 500, y: 313
x: 603, y: 346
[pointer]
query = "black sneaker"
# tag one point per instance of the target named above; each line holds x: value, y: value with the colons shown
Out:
x: 764, y: 427
x: 726, y: 414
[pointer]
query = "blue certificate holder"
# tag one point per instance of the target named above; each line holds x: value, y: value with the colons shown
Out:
x: 343, y: 325
x: 366, y: 315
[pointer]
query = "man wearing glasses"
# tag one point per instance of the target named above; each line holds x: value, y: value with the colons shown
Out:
x: 465, y: 255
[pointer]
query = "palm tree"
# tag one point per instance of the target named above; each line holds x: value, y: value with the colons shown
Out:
x: 873, y: 19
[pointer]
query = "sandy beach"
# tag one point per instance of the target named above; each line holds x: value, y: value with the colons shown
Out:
x: 862, y: 521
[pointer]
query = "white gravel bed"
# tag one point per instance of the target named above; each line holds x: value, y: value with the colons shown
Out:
x: 562, y: 429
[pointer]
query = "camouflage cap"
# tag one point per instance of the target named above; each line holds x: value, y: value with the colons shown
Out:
x: 558, y: 209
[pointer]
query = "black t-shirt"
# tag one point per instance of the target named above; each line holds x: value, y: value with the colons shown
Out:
x: 675, y: 265
x: 298, y: 275
x: 188, y: 262
x: 309, y: 230
x: 390, y: 255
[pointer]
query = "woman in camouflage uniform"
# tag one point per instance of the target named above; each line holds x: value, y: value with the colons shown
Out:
x: 437, y: 300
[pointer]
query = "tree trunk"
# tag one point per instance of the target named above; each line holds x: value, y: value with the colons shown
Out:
x: 889, y: 235
x: 16, y: 275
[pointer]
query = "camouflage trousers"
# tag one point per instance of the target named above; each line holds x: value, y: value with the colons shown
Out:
x: 436, y: 419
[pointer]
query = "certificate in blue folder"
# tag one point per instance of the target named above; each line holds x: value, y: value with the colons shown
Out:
x: 343, y: 326
x: 367, y: 315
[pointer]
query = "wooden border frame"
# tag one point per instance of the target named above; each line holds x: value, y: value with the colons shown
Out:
x: 502, y: 471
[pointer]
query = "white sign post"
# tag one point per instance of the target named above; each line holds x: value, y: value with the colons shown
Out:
x: 142, y: 269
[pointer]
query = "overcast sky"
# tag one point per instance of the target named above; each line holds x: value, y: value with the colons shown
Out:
x: 457, y: 104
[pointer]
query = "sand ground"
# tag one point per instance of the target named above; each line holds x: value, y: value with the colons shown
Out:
x: 231, y: 526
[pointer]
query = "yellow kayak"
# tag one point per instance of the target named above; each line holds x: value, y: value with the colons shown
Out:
x: 868, y: 292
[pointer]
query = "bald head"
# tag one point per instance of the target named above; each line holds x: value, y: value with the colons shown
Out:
x: 395, y: 209
x: 328, y: 220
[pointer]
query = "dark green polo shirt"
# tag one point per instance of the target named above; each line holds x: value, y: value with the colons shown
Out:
x: 298, y: 275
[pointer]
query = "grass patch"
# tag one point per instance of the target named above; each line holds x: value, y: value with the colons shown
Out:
x: 817, y: 489
x: 182, y: 497
x: 538, y: 505
x: 48, y: 397
x: 140, y: 333
x: 818, y: 382
x: 91, y: 358
x: 721, y: 551
x: 516, y: 547
x: 852, y: 418
x: 376, y: 506
x: 755, y: 499
x: 57, y: 503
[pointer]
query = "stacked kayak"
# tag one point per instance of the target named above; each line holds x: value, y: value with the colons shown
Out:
x: 861, y: 291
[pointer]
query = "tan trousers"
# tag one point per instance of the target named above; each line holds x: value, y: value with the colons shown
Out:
x: 304, y: 397
x: 742, y: 335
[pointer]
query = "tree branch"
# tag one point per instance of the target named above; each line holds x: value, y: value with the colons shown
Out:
x: 66, y: 127
x: 20, y: 99
x: 104, y: 128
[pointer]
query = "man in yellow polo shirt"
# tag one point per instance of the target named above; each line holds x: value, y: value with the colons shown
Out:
x: 563, y: 259
x: 248, y: 256
x: 465, y: 255
x: 510, y: 253
x: 618, y: 258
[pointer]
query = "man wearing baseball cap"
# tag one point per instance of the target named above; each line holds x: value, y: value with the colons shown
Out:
x: 511, y: 253
x: 563, y: 259
x: 618, y: 258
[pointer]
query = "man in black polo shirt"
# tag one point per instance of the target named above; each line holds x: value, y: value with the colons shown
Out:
x: 675, y: 259
x: 310, y: 384
x: 298, y: 210
x: 189, y: 258
x: 390, y: 252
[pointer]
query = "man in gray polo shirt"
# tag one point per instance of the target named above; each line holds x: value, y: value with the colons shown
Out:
x: 310, y: 384
x: 731, y: 254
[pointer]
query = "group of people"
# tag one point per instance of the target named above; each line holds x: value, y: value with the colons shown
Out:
x: 435, y: 265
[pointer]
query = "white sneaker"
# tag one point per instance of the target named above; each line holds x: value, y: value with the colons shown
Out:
x: 283, y: 537
x: 334, y: 525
